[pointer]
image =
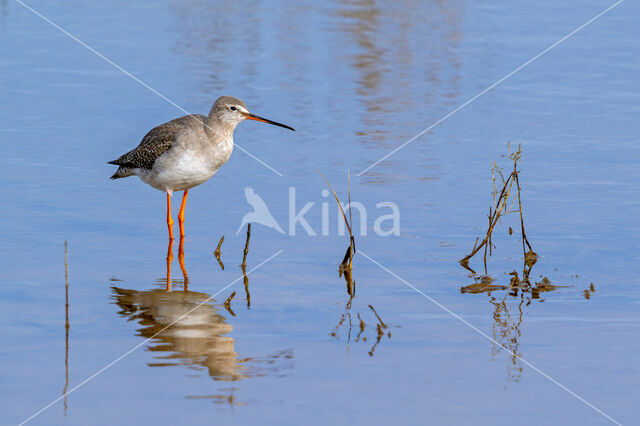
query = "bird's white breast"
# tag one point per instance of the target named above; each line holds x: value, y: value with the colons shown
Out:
x: 190, y: 161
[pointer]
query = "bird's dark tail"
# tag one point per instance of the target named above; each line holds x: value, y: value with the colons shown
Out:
x: 122, y: 171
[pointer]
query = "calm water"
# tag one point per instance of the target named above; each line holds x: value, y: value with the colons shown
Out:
x: 356, y: 79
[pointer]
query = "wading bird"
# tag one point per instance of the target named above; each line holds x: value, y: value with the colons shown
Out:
x: 185, y: 152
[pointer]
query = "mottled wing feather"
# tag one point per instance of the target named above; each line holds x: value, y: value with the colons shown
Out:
x: 155, y: 143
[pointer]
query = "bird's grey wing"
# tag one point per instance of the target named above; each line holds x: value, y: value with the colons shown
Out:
x: 155, y: 143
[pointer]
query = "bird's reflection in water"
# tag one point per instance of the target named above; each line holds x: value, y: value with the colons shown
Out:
x: 186, y: 329
x: 197, y: 336
x: 185, y: 276
x: 226, y: 398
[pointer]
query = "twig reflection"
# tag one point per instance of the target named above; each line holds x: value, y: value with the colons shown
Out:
x: 227, y: 304
x: 66, y: 327
x: 346, y: 322
x: 506, y: 329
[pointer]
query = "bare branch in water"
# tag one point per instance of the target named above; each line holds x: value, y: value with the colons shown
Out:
x: 246, y: 246
x: 244, y: 266
x: 351, y: 284
x: 246, y: 286
x: 67, y: 325
x: 217, y: 253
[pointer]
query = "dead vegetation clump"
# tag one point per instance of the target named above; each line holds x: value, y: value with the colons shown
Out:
x: 504, y: 199
x: 506, y: 193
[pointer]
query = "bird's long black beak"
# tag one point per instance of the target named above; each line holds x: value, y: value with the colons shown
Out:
x: 264, y: 120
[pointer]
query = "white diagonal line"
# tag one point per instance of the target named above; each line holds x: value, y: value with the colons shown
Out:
x: 256, y: 158
x: 128, y: 74
x: 146, y: 340
x: 492, y: 86
x: 477, y: 330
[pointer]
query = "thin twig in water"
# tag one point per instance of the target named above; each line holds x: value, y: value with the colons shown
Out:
x: 246, y: 286
x: 246, y: 245
x: 351, y: 284
x: 66, y: 326
x: 217, y: 253
x: 351, y: 250
x: 244, y: 266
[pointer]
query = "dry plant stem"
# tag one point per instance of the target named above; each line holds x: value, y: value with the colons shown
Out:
x: 217, y: 253
x: 66, y: 285
x: 352, y: 241
x: 243, y: 266
x: 217, y: 250
x: 524, y: 235
x: 493, y: 219
x: 500, y: 209
x: 352, y: 293
x: 246, y: 245
x: 488, y: 244
x: 246, y: 286
x: 351, y: 285
x: 66, y: 325
x: 351, y: 250
x: 344, y: 216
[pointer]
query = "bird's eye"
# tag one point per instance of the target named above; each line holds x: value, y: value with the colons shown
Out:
x: 232, y: 108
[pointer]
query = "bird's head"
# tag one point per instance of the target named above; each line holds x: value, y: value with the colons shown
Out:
x: 232, y: 111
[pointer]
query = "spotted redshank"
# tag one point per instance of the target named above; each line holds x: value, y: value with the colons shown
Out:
x: 185, y: 152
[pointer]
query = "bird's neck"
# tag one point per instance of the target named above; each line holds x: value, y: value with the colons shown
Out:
x: 215, y: 128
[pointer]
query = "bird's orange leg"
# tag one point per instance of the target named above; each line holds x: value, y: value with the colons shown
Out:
x: 181, y: 214
x: 169, y: 219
